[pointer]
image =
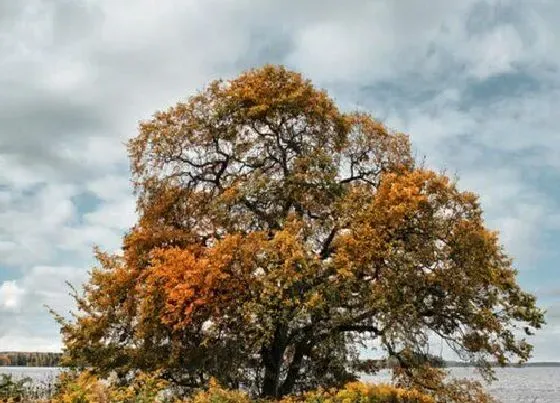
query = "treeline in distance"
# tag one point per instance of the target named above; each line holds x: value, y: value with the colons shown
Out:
x: 35, y: 359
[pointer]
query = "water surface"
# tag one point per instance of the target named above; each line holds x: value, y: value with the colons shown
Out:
x: 531, y: 385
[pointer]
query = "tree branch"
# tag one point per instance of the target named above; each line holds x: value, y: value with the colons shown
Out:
x: 326, y: 249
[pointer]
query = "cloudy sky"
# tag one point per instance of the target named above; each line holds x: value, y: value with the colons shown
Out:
x: 474, y: 83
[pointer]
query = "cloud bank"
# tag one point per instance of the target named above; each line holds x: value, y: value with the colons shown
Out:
x: 474, y: 83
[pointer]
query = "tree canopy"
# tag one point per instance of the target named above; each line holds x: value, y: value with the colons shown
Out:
x: 277, y: 236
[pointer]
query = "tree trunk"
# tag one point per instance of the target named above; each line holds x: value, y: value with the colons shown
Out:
x: 272, y: 358
x: 293, y: 370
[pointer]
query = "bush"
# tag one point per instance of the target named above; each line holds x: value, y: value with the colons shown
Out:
x: 355, y: 392
x: 85, y: 387
x: 81, y: 387
x: 145, y: 387
x: 358, y: 392
x: 216, y: 394
x: 12, y: 390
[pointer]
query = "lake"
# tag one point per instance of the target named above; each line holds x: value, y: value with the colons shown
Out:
x: 515, y: 385
x: 35, y: 373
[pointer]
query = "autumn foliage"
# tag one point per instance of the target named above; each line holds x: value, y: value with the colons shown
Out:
x: 277, y: 235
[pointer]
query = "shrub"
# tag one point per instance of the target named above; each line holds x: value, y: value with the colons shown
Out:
x: 12, y: 390
x: 145, y: 387
x: 216, y: 394
x: 85, y: 387
x: 82, y: 387
x: 149, y: 387
x: 355, y: 392
x: 358, y: 392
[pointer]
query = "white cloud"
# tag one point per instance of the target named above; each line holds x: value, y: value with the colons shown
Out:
x: 30, y: 221
x: 110, y: 187
x: 116, y: 215
x: 11, y: 340
x: 10, y: 295
x: 25, y: 322
x: 20, y: 177
x: 65, y: 76
x: 95, y: 152
x: 45, y: 285
x: 496, y: 52
x: 77, y: 76
x: 376, y: 40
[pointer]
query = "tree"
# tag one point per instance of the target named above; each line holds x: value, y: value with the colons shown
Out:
x: 276, y: 235
x: 4, y: 359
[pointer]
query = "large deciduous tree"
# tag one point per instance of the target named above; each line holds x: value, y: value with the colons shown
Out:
x: 277, y: 236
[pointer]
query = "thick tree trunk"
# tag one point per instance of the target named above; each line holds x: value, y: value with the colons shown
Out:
x: 272, y: 357
x: 293, y: 370
x: 271, y: 381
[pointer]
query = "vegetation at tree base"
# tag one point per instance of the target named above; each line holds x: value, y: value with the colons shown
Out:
x: 352, y: 392
x: 25, y: 359
x: 84, y: 387
x: 12, y: 388
x: 277, y: 237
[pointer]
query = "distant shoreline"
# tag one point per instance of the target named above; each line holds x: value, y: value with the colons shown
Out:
x: 545, y: 364
x: 29, y: 359
x: 29, y: 366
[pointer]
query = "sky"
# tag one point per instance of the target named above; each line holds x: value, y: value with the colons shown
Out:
x: 474, y: 83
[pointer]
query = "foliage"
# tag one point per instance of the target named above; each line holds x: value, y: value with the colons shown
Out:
x: 10, y: 388
x: 217, y: 394
x: 81, y: 387
x: 85, y: 387
x: 352, y: 392
x: 144, y: 388
x: 363, y: 393
x: 276, y: 236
